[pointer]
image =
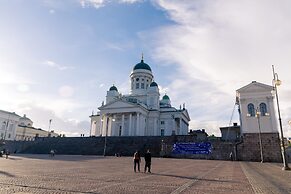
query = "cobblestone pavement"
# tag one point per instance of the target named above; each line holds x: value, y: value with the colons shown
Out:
x: 94, y: 174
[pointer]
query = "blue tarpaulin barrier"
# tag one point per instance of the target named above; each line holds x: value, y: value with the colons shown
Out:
x: 192, y: 148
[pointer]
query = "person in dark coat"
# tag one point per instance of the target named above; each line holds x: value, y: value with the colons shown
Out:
x: 148, y: 160
x: 136, y: 161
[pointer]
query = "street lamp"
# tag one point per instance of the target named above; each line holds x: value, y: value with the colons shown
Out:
x: 258, y: 114
x: 49, y: 129
x: 277, y: 82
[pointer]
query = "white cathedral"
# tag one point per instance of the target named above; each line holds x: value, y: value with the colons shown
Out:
x: 140, y: 113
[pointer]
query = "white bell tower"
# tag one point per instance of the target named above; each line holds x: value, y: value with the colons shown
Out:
x: 257, y: 113
x: 141, y: 78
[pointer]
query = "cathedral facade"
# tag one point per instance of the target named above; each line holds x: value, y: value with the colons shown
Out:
x: 140, y: 113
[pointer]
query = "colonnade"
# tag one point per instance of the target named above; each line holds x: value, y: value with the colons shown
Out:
x: 116, y: 125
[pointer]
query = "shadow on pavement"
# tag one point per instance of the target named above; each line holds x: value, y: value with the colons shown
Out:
x: 60, y: 157
x: 194, y: 178
x: 6, y: 174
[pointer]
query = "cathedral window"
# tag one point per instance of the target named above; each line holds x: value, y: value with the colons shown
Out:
x: 162, y: 122
x: 251, y: 110
x: 162, y: 132
x: 137, y: 86
x: 142, y: 85
x: 137, y: 79
x: 263, y: 109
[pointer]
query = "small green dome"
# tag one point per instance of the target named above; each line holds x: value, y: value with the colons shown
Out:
x: 153, y: 84
x: 142, y: 65
x: 112, y: 88
x: 166, y: 97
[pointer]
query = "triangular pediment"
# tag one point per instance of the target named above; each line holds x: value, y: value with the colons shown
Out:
x: 187, y: 115
x: 255, y: 87
x: 118, y: 104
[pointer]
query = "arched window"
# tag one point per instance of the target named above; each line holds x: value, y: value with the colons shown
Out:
x: 263, y: 109
x: 251, y: 110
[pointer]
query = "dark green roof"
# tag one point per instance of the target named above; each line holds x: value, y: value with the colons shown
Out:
x: 142, y: 65
x: 113, y: 88
x: 166, y: 97
x: 153, y: 84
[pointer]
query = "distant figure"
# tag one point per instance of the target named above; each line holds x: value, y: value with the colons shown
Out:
x: 52, y: 153
x: 148, y: 160
x: 136, y: 161
x: 231, y: 156
x: 7, y: 153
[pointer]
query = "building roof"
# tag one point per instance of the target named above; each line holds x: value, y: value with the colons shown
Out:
x: 153, y: 84
x: 255, y: 86
x: 12, y: 113
x: 166, y: 97
x: 142, y: 65
x: 113, y: 88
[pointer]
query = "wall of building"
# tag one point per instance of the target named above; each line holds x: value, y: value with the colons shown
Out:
x: 248, y: 150
x: 8, y: 123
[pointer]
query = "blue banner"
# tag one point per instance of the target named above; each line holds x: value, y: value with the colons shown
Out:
x: 192, y: 148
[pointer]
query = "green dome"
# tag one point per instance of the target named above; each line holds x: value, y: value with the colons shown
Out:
x: 142, y: 65
x: 166, y: 97
x: 113, y: 88
x: 153, y: 84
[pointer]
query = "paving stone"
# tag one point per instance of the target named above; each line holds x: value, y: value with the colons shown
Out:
x: 96, y: 174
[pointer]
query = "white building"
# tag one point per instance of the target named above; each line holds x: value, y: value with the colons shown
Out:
x: 26, y: 132
x: 140, y: 113
x: 8, y: 122
x: 256, y: 103
x: 15, y: 127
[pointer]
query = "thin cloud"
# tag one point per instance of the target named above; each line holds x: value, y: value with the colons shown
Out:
x: 130, y: 1
x: 218, y: 47
x: 101, y: 3
x: 95, y: 3
x: 56, y: 65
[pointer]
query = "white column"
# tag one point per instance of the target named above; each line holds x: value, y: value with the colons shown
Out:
x: 109, y: 132
x: 137, y: 125
x: 101, y: 125
x: 174, y: 126
x: 112, y: 127
x: 122, y: 125
x: 105, y: 125
x: 155, y: 127
x: 180, y: 131
x: 158, y: 131
x: 142, y: 125
x: 130, y: 120
x: 91, y: 127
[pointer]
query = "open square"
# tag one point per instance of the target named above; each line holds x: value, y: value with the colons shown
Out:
x: 96, y: 174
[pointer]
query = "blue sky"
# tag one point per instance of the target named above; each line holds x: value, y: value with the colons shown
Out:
x: 58, y: 58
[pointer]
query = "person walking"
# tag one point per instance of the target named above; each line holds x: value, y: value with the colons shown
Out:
x: 148, y: 160
x: 7, y: 153
x: 231, y: 156
x: 136, y: 161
